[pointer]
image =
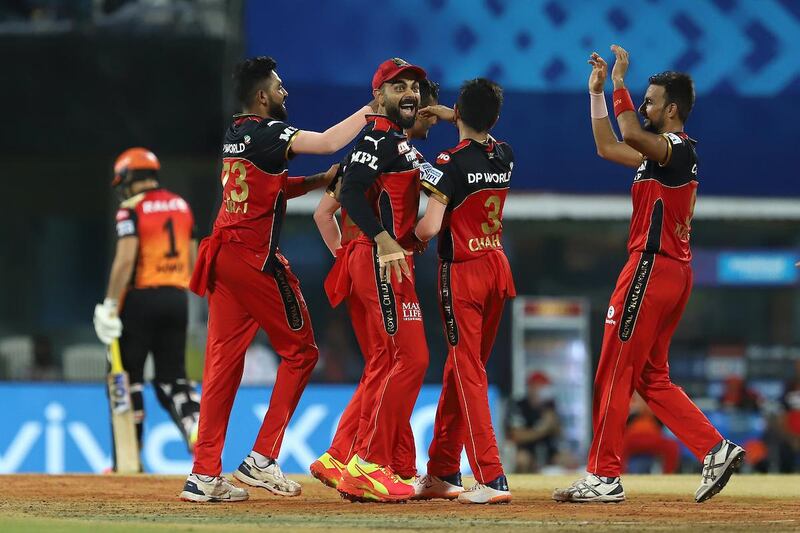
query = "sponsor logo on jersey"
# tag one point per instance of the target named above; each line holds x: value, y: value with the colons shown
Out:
x: 233, y: 148
x: 412, y: 311
x: 163, y: 206
x: 430, y: 174
x: 446, y: 298
x: 373, y: 140
x: 247, y: 139
x: 287, y: 133
x: 675, y: 139
x: 402, y: 147
x: 610, y: 316
x: 367, y: 159
x: 125, y: 228
x: 443, y: 158
x: 488, y: 177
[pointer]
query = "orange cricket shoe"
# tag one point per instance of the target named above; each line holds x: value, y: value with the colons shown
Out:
x: 368, y: 482
x: 328, y: 470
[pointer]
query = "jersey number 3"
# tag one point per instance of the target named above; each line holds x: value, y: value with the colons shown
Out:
x: 239, y: 169
x: 493, y: 224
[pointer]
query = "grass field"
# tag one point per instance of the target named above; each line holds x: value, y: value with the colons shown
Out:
x: 149, y: 503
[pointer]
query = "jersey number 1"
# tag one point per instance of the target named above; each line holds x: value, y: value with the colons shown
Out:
x: 170, y: 229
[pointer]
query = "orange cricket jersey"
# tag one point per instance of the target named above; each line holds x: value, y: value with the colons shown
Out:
x: 164, y: 224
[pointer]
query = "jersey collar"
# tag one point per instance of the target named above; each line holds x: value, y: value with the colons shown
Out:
x: 383, y: 122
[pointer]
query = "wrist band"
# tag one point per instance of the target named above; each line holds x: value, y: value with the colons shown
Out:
x: 598, y: 104
x: 622, y: 101
x: 383, y: 259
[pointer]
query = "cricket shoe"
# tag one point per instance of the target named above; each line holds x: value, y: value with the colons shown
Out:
x: 327, y: 470
x: 718, y: 466
x: 433, y: 487
x: 200, y: 488
x: 592, y: 488
x: 495, y: 491
x: 269, y: 477
x: 363, y: 481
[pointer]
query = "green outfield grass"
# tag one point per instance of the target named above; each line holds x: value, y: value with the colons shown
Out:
x: 149, y: 503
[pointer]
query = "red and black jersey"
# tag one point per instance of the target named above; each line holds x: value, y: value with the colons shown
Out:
x: 254, y: 186
x: 663, y: 201
x: 348, y: 228
x: 380, y: 184
x: 164, y: 224
x: 473, y: 180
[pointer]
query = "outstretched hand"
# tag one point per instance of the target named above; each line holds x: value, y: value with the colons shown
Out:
x: 442, y: 112
x: 597, y: 79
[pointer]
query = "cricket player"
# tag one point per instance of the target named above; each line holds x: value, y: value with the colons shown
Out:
x: 467, y: 190
x: 374, y: 273
x: 328, y: 468
x: 653, y: 287
x: 249, y: 282
x: 146, y: 302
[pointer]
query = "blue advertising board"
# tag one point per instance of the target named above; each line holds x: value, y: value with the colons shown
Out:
x: 55, y: 428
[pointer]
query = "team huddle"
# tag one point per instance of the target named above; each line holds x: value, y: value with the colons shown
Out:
x: 377, y: 188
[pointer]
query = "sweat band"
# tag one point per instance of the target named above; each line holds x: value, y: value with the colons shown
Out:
x: 598, y: 105
x: 622, y: 101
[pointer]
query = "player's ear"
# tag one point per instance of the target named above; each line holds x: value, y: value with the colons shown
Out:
x: 456, y: 113
x: 379, y: 96
x: 672, y: 110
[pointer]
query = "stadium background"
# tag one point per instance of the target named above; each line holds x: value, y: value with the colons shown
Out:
x: 86, y: 79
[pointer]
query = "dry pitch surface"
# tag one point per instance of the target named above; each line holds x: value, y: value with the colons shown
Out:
x: 150, y: 503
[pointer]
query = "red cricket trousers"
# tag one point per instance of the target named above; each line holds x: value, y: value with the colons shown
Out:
x: 645, y: 309
x: 387, y: 320
x: 472, y: 295
x: 241, y: 299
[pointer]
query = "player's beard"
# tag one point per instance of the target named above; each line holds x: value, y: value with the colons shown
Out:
x: 278, y: 110
x: 393, y: 112
x: 651, y: 126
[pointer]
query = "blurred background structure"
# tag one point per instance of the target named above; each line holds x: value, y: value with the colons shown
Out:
x: 86, y: 79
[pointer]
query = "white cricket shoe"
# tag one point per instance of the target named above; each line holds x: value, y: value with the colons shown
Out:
x: 431, y: 487
x: 270, y: 478
x: 591, y: 489
x: 493, y: 492
x: 717, y: 469
x: 200, y: 488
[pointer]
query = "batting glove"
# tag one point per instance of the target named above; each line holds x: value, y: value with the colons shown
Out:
x: 107, y: 324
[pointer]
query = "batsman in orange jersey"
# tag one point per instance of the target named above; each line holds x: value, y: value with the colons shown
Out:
x: 146, y: 301
x: 467, y: 188
x: 654, y: 286
x: 250, y: 284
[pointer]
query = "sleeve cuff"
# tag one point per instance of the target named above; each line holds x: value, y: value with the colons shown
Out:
x: 436, y: 192
x: 289, y: 145
x: 668, y: 157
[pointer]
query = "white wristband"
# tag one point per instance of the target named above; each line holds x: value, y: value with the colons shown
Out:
x: 598, y: 105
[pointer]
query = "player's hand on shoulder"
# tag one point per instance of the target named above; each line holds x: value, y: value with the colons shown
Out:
x: 597, y: 79
x: 442, y: 112
x: 107, y: 324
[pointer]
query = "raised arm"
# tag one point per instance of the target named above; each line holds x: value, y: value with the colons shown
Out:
x: 608, y: 146
x: 651, y: 145
x: 334, y: 138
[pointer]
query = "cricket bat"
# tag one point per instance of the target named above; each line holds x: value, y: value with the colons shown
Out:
x: 126, y: 447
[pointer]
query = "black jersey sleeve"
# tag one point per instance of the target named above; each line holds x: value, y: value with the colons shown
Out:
x: 373, y: 153
x: 126, y: 223
x: 440, y: 179
x: 271, y: 146
x: 678, y: 152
